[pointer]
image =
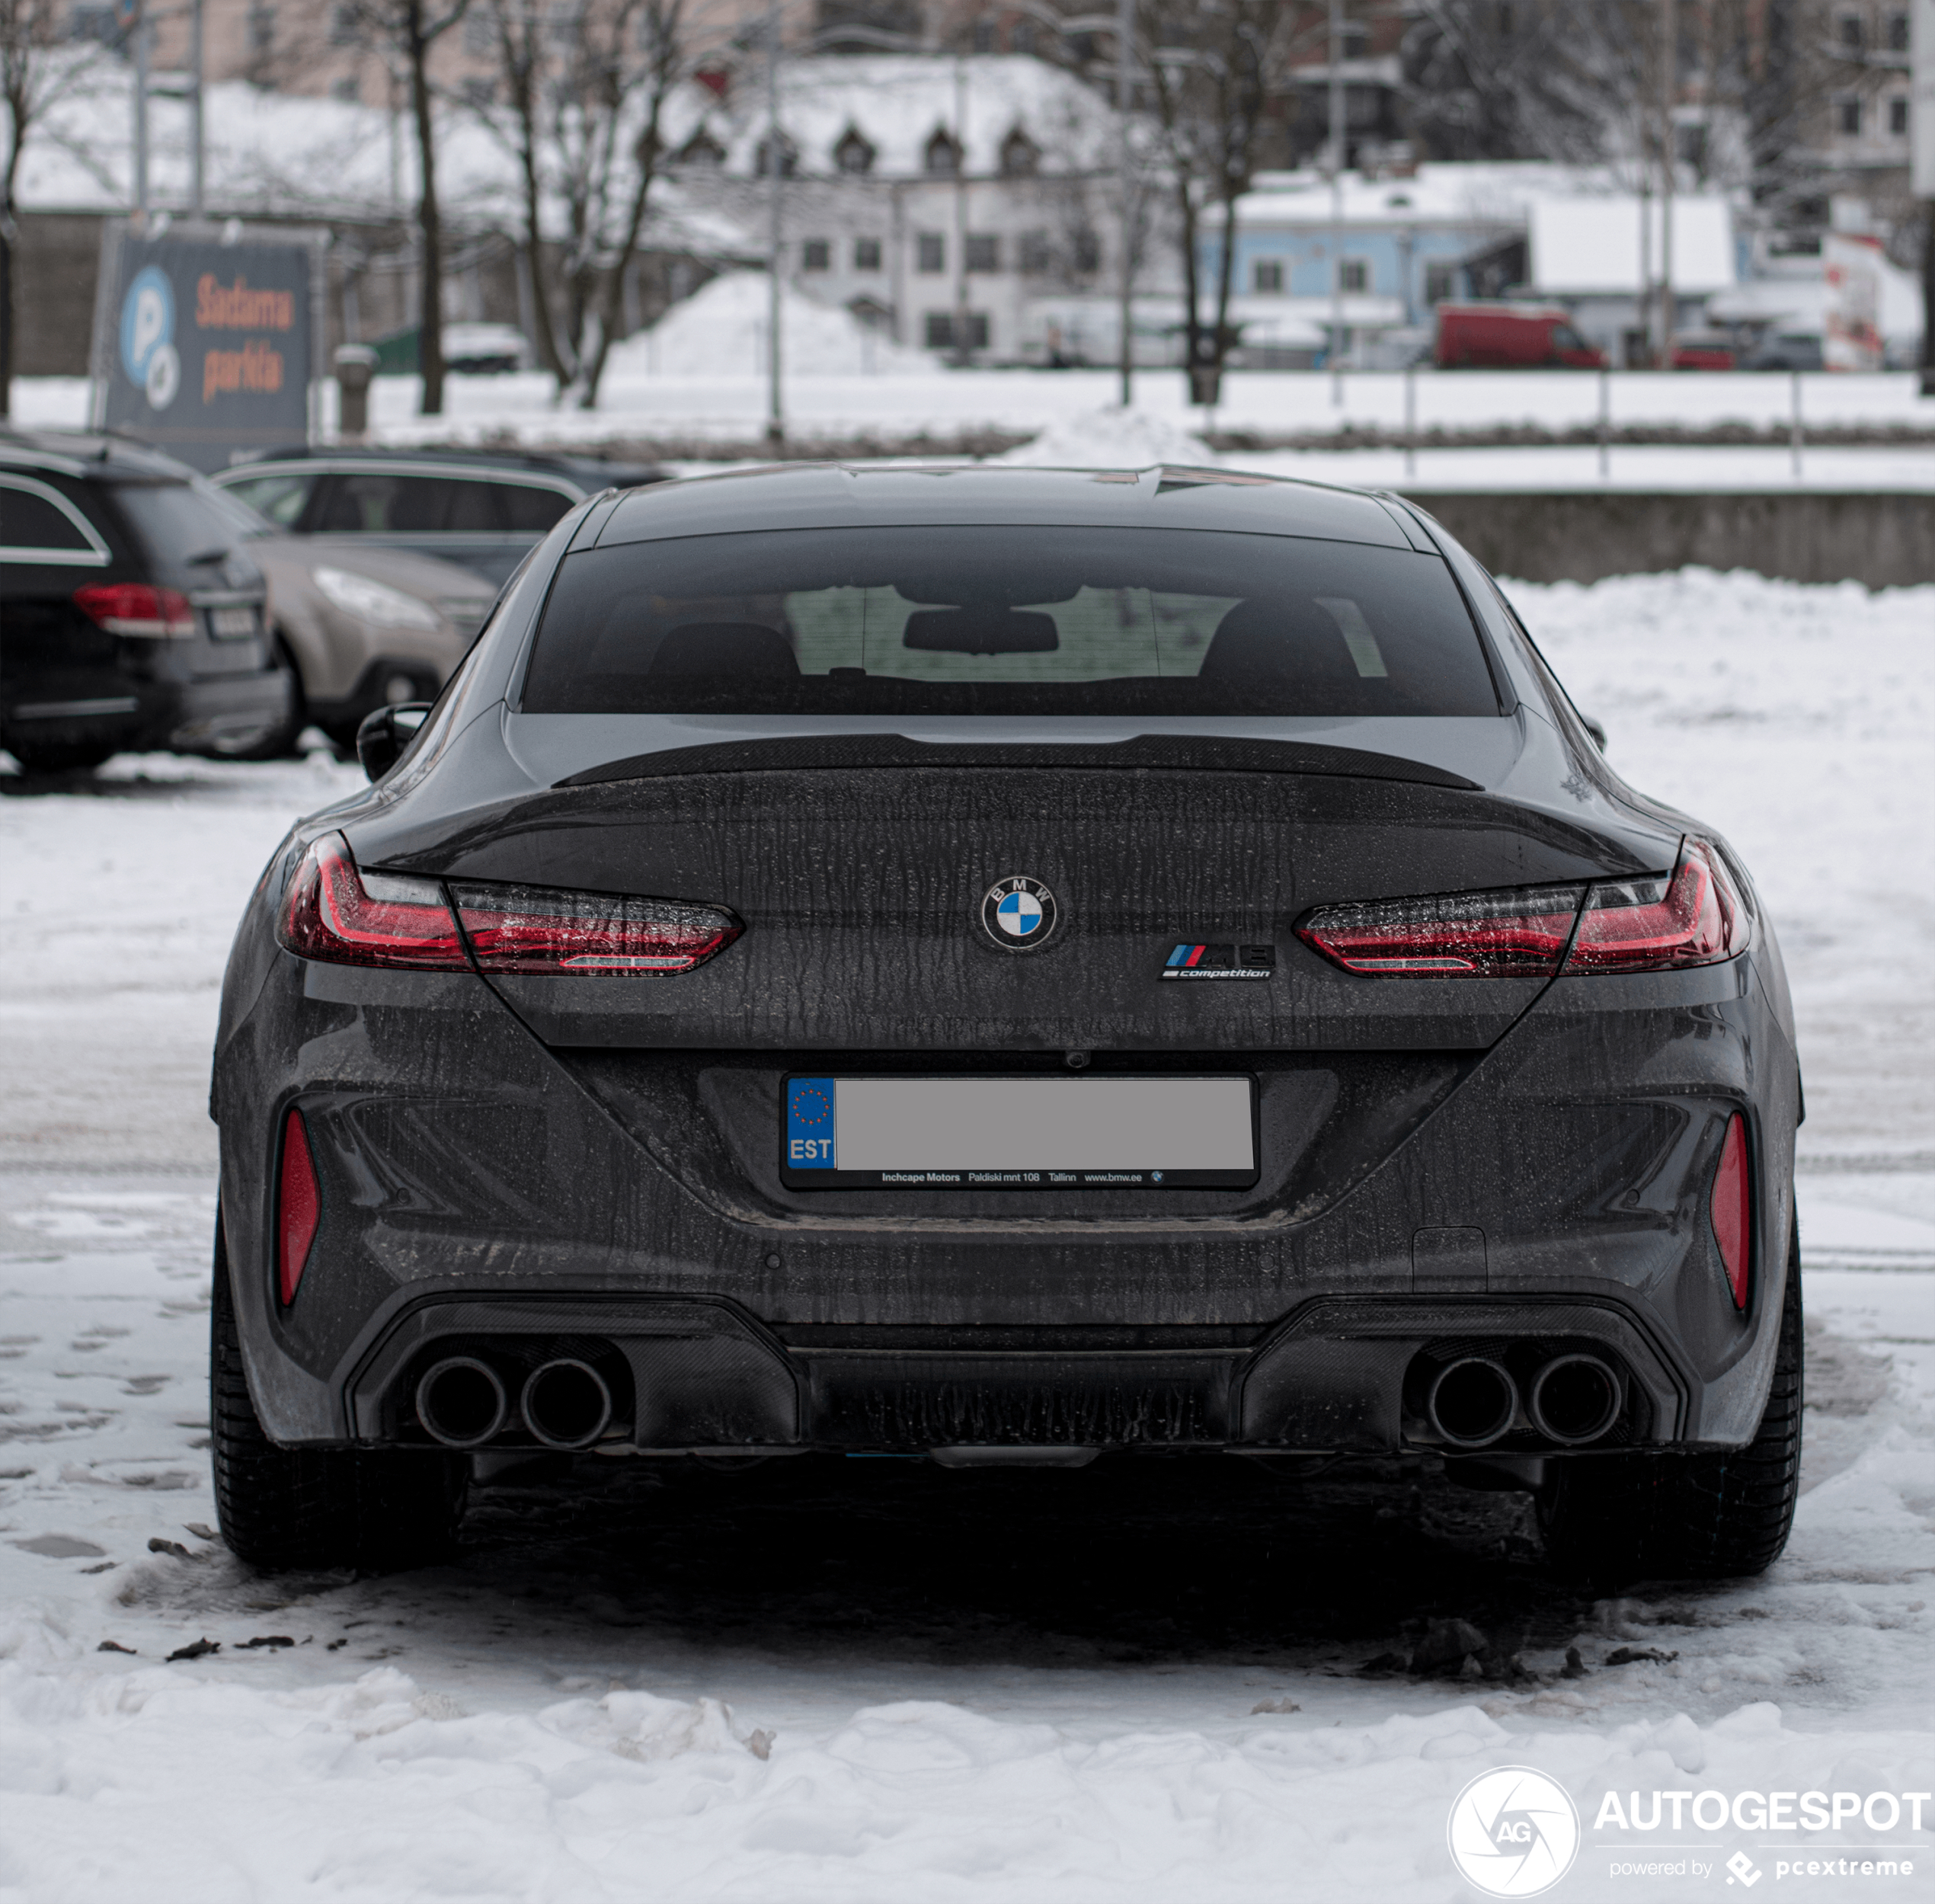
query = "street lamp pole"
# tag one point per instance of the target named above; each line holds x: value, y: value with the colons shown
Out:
x: 1125, y: 93
x: 198, y: 184
x: 140, y: 116
x: 1336, y: 201
x: 775, y: 421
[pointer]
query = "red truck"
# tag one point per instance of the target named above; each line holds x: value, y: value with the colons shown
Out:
x: 1511, y: 336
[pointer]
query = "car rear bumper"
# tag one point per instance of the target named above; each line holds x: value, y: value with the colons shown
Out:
x: 1338, y: 1375
x: 479, y: 1198
x: 190, y: 716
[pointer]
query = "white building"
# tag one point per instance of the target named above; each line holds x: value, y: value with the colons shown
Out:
x: 918, y: 191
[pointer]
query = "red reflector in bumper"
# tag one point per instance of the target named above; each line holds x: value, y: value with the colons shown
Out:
x: 299, y: 1207
x: 1733, y: 1209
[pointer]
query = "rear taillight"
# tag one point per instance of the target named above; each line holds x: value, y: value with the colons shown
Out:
x: 134, y: 608
x: 1733, y: 1209
x: 1691, y: 917
x: 532, y: 928
x: 344, y: 917
x: 299, y: 1207
x: 1519, y: 933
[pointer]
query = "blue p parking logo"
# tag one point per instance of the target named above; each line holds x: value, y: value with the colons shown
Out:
x: 1513, y: 1832
x: 148, y: 352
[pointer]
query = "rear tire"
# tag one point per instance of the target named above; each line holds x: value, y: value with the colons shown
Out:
x: 375, y: 1510
x: 1715, y: 1516
x: 70, y: 757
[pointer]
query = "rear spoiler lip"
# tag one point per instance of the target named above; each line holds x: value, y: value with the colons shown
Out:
x: 1204, y: 754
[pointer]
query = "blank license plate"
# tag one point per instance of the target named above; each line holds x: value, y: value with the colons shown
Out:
x: 1019, y: 1133
x: 232, y: 624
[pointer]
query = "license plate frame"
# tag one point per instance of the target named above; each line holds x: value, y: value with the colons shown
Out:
x: 1006, y: 1132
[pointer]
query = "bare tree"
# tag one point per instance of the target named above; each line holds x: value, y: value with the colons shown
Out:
x: 404, y: 31
x: 585, y: 98
x: 1214, y: 66
x: 39, y: 66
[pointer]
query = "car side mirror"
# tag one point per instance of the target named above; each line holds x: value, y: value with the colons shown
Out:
x: 1596, y: 728
x: 385, y: 732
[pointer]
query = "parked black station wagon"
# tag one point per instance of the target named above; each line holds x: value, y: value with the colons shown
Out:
x: 131, y: 615
x: 1013, y: 967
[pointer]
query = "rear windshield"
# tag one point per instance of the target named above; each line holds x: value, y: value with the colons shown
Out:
x: 181, y: 522
x: 1005, y: 621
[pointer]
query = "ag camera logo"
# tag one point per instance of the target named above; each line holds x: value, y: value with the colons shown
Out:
x: 1513, y: 1832
x: 148, y: 352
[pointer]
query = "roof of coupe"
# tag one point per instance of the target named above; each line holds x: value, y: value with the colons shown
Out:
x: 842, y: 495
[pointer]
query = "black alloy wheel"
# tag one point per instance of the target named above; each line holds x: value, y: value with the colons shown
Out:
x: 375, y: 1510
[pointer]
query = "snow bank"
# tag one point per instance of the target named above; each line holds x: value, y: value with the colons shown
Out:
x: 1111, y: 439
x: 720, y: 330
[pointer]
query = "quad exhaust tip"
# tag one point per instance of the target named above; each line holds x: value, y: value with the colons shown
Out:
x: 1471, y: 1402
x: 461, y: 1402
x: 567, y: 1404
x: 1575, y: 1399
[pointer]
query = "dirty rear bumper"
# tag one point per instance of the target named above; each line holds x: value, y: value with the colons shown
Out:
x: 1339, y: 1375
x: 477, y: 1195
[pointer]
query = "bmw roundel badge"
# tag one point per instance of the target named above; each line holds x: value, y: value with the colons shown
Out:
x: 1019, y: 914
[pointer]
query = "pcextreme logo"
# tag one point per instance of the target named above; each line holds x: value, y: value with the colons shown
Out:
x: 1513, y: 1832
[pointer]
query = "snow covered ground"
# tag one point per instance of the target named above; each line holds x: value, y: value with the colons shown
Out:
x: 700, y: 375
x: 880, y: 1681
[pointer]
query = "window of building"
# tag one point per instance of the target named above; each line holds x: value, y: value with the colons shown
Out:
x: 344, y: 28
x: 1847, y: 116
x: 1355, y: 39
x: 1353, y: 275
x: 261, y: 29
x: 984, y: 37
x: 1440, y: 283
x: 348, y: 89
x: 854, y: 153
x: 1021, y: 157
x: 789, y: 157
x: 1087, y: 251
x: 89, y: 21
x: 1020, y: 37
x: 930, y: 251
x: 942, y: 159
x: 1267, y: 275
x: 1897, y: 32
x: 701, y: 148
x: 1036, y: 253
x: 816, y: 254
x: 938, y: 331
x: 866, y: 254
x: 1898, y: 117
x: 1848, y: 30
x: 983, y: 252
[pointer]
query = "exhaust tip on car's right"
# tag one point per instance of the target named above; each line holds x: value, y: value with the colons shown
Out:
x: 461, y: 1403
x: 1471, y: 1402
